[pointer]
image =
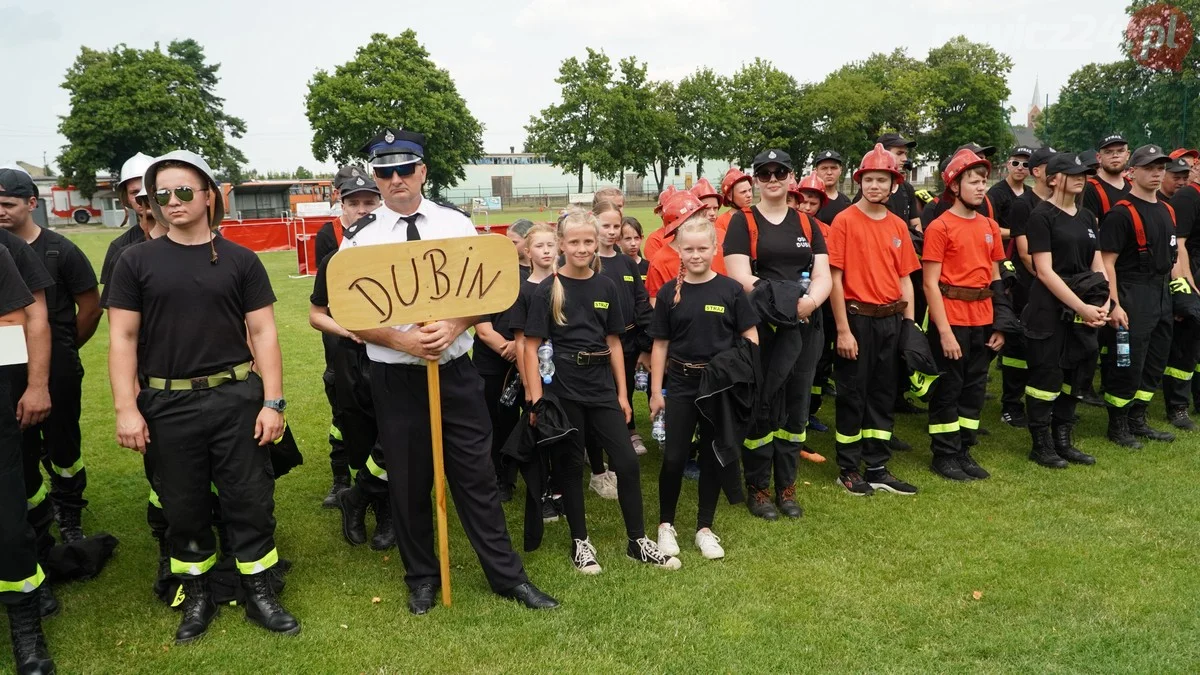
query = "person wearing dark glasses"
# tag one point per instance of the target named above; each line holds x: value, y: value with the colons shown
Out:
x: 133, y: 198
x: 186, y: 390
x: 398, y: 388
x: 1004, y: 193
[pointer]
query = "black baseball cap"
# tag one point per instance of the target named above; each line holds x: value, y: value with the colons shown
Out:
x: 1147, y: 155
x: 348, y: 171
x: 1091, y: 158
x: 894, y: 140
x: 1041, y: 156
x: 828, y: 156
x: 360, y: 183
x: 1178, y: 165
x: 14, y: 183
x: 981, y: 150
x: 774, y: 156
x: 1069, y: 164
x: 1111, y: 139
x: 1021, y: 151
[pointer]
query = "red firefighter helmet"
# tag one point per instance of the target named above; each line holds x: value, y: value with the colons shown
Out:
x: 962, y: 161
x: 1185, y: 153
x: 732, y: 177
x: 703, y: 189
x: 813, y: 184
x: 878, y: 159
x: 680, y: 207
x: 663, y: 198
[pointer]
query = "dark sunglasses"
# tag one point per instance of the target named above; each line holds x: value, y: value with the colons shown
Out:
x: 765, y: 174
x: 1016, y: 162
x: 386, y: 172
x: 142, y: 200
x: 185, y: 194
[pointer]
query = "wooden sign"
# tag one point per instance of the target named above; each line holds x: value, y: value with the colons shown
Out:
x: 419, y: 281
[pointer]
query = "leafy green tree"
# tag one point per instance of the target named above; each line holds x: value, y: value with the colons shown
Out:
x: 769, y: 108
x: 967, y: 84
x: 639, y: 125
x: 672, y: 145
x: 125, y: 101
x: 302, y: 173
x: 705, y: 117
x: 392, y: 83
x: 1097, y: 100
x: 191, y: 53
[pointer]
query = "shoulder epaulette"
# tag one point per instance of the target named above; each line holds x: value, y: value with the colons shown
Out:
x: 454, y: 207
x: 358, y: 225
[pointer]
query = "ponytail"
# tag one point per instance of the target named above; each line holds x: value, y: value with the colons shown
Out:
x: 557, y: 300
x: 572, y: 217
x: 700, y: 224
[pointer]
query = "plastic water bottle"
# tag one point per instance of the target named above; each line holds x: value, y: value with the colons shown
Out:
x: 509, y: 397
x: 641, y: 379
x: 805, y: 282
x: 1122, y: 347
x: 546, y: 362
x: 658, y: 429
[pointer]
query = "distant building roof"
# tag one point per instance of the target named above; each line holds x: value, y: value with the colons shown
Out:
x: 1025, y: 136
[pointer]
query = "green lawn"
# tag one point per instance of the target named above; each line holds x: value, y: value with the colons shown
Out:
x: 1082, y: 570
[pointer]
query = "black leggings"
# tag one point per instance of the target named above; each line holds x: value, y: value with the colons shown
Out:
x: 504, y: 420
x: 595, y: 449
x: 682, y: 418
x: 606, y: 425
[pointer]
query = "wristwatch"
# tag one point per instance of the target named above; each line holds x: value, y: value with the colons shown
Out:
x: 276, y: 404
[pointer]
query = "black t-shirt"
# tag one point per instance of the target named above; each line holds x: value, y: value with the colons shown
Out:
x: 14, y: 294
x: 193, y: 312
x: 784, y: 252
x: 1186, y: 203
x: 643, y: 268
x: 635, y: 301
x: 487, y: 360
x: 73, y: 275
x: 131, y: 236
x: 1091, y: 200
x: 1117, y: 236
x: 320, y: 298
x: 520, y: 310
x: 833, y: 207
x: 327, y: 243
x: 592, y: 310
x: 29, y: 263
x: 1070, y: 240
x: 707, y: 320
x: 1003, y: 198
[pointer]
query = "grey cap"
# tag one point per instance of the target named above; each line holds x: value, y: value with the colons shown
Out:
x: 1068, y: 163
x: 1147, y: 155
x: 1041, y: 156
x: 150, y: 183
x: 1179, y: 165
x: 360, y: 183
x: 521, y: 226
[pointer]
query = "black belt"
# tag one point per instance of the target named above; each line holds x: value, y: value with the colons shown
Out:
x: 688, y: 369
x: 587, y: 358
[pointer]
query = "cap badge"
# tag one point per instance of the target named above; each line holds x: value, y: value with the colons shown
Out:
x: 354, y: 172
x: 389, y: 136
x: 771, y: 155
x: 1153, y: 150
x: 829, y: 154
x: 360, y: 182
x: 1077, y: 162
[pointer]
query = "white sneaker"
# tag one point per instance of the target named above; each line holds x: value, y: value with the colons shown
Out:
x: 639, y: 446
x: 604, y: 484
x: 666, y: 539
x: 709, y: 544
x: 585, y: 557
x: 646, y: 551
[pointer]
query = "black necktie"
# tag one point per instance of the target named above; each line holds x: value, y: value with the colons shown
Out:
x: 413, y: 235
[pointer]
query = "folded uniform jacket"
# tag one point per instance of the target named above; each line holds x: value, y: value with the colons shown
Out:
x: 1083, y: 341
x: 781, y: 344
x: 1004, y: 319
x: 1185, y: 303
x: 727, y: 396
x: 922, y: 369
x: 526, y: 445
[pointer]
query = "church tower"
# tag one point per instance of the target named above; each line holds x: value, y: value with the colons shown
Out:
x: 1035, y: 109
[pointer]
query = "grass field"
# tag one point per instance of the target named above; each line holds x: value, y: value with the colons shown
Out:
x: 1082, y: 570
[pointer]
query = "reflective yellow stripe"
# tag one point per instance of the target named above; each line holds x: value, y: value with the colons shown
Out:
x: 756, y: 443
x: 38, y: 497
x: 261, y: 565
x: 154, y: 499
x: 335, y: 433
x: 69, y: 471
x: 842, y: 438
x: 28, y: 585
x: 1010, y: 362
x: 784, y: 435
x: 194, y: 569
x: 284, y: 433
x: 1115, y: 401
x: 815, y: 391
x: 947, y: 428
x: 877, y: 434
x: 968, y: 423
x: 376, y: 470
x: 1066, y: 389
x: 1178, y: 374
x: 213, y: 488
x: 1144, y: 396
x: 919, y: 383
x: 1197, y: 369
x: 1041, y: 395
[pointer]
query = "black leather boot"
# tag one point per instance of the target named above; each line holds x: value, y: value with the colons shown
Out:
x: 69, y: 528
x: 264, y: 609
x: 1138, y: 426
x: 341, y: 481
x: 1066, y: 448
x: 354, y: 515
x: 28, y: 640
x: 786, y: 501
x: 199, y: 609
x: 47, y: 603
x: 1118, y: 429
x: 759, y: 503
x: 385, y: 534
x: 1043, y: 449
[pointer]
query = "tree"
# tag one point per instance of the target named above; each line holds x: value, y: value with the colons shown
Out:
x: 302, y: 173
x: 967, y: 83
x: 769, y: 108
x: 638, y: 123
x: 191, y: 53
x: 572, y: 133
x: 670, y: 149
x: 705, y: 117
x: 125, y: 101
x: 392, y: 83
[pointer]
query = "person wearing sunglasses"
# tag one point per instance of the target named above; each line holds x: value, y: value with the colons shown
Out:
x: 1005, y: 192
x: 130, y: 194
x: 186, y: 390
x: 773, y: 245
x: 398, y: 387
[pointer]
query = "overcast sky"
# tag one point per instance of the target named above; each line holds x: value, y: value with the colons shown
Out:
x: 504, y: 56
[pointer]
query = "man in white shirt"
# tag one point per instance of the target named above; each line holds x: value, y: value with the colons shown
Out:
x: 398, y: 386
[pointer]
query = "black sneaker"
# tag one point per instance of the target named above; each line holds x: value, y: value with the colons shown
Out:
x: 645, y: 550
x: 1179, y: 418
x: 549, y: 513
x: 947, y: 467
x: 970, y: 467
x: 882, y: 479
x: 1014, y: 417
x: 583, y: 556
x: 853, y: 482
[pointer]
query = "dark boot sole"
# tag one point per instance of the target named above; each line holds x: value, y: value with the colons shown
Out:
x: 1050, y: 465
x: 197, y: 638
x: 961, y: 477
x: 290, y: 631
x: 1132, y: 445
x: 375, y: 546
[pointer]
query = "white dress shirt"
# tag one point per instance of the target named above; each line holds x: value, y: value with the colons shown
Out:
x: 435, y: 222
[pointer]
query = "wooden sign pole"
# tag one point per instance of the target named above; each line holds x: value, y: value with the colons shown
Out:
x: 419, y: 282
